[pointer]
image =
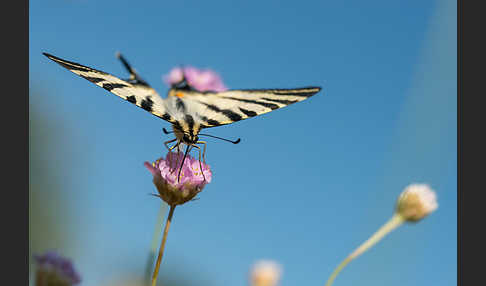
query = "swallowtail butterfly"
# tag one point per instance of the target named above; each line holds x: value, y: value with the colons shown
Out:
x: 188, y: 110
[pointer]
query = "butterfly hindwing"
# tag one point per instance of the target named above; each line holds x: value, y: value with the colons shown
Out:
x: 220, y: 108
x: 134, y: 90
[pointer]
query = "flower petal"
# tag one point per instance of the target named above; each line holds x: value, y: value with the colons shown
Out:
x: 151, y: 169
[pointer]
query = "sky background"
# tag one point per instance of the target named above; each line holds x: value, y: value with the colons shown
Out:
x: 307, y: 184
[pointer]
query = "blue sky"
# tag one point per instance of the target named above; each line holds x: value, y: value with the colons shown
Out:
x: 307, y: 184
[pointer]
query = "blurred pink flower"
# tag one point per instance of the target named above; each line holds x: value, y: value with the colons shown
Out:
x: 201, y: 80
x: 191, y: 180
x: 53, y: 269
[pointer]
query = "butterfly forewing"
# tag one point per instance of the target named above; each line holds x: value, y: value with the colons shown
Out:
x: 215, y: 109
x: 136, y: 91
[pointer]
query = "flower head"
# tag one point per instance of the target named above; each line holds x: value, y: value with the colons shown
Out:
x: 201, y: 80
x: 55, y: 270
x: 175, y: 189
x: 416, y: 202
x: 265, y: 273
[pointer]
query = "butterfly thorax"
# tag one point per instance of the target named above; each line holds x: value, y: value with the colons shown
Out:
x: 186, y: 121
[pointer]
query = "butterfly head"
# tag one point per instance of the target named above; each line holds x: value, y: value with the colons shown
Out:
x: 186, y: 137
x: 189, y: 139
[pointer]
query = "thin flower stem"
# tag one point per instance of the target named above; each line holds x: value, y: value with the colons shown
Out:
x: 162, y: 245
x: 394, y: 222
x: 153, y: 246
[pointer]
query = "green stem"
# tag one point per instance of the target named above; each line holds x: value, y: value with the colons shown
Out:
x: 394, y: 222
x: 155, y: 241
x: 162, y: 245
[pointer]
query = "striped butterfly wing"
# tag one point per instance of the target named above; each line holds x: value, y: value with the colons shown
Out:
x: 220, y: 108
x: 134, y: 90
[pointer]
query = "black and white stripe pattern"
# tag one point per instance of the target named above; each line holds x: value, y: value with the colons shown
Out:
x: 188, y: 110
x: 134, y: 90
x: 215, y: 109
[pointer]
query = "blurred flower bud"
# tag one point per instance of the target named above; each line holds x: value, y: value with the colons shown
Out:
x: 265, y: 273
x: 416, y: 202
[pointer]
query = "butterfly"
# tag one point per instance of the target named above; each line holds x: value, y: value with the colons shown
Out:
x: 187, y: 109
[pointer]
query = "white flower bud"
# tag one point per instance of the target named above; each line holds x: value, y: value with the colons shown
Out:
x: 416, y: 202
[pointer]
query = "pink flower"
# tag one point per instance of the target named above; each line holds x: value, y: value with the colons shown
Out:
x: 175, y: 189
x: 201, y: 80
x: 53, y: 269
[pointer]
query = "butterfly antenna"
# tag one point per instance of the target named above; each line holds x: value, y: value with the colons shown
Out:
x: 167, y: 132
x: 182, y: 164
x: 224, y: 139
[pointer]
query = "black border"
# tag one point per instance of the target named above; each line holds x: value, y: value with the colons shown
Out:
x: 470, y: 76
x: 15, y: 141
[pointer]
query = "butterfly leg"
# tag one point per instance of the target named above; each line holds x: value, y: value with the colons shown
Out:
x: 188, y: 149
x: 171, y: 148
x: 200, y: 165
x: 204, y: 150
x: 170, y: 141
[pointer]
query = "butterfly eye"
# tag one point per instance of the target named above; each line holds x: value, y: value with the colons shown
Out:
x: 185, y: 138
x: 196, y: 138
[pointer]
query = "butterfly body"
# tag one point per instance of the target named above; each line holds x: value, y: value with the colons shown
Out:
x: 189, y: 110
